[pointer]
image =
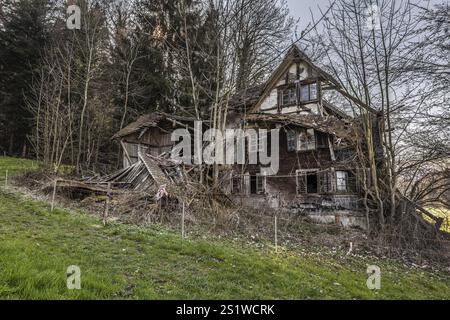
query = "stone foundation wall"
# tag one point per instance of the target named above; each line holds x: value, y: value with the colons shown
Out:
x: 343, y: 210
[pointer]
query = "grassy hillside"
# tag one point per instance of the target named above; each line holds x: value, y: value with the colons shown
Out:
x: 119, y: 261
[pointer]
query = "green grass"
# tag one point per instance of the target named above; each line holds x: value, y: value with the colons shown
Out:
x: 130, y: 262
x: 12, y: 166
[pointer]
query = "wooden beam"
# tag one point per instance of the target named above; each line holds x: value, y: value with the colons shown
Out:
x: 357, y: 101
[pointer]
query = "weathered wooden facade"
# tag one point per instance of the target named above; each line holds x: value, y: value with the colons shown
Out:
x: 319, y: 173
x: 150, y: 134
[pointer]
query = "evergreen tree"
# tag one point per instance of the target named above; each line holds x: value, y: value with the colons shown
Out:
x: 24, y: 32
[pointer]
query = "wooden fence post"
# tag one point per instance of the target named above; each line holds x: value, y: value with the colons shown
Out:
x: 182, y: 223
x: 55, y: 183
x: 6, y: 178
x: 108, y: 198
x: 276, y: 233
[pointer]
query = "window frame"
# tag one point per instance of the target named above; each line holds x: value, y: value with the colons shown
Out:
x: 345, y: 178
x: 239, y: 179
x: 291, y: 140
x: 309, y: 98
x: 303, y: 173
x: 311, y: 140
x: 297, y: 88
x: 292, y: 93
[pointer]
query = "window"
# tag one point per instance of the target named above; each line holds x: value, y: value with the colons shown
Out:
x: 325, y: 181
x: 257, y: 184
x: 306, y: 140
x: 307, y: 181
x: 313, y: 91
x: 260, y: 184
x: 308, y: 92
x: 322, y: 140
x: 310, y: 181
x: 288, y: 96
x: 236, y: 185
x: 301, y: 140
x: 342, y: 181
x: 301, y: 182
x: 302, y: 93
x: 291, y: 140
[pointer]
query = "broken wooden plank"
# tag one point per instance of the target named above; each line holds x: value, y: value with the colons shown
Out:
x: 154, y: 170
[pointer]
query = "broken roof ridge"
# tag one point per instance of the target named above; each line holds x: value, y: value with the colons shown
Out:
x: 152, y: 119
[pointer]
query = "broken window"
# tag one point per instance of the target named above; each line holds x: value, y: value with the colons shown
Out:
x: 307, y: 181
x: 312, y: 182
x: 306, y: 140
x: 342, y: 181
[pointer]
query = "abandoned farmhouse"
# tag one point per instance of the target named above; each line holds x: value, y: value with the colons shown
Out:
x: 319, y: 172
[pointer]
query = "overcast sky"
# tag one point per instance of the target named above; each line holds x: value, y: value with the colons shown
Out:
x: 301, y: 9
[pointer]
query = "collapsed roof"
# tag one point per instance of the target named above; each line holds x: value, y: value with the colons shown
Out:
x: 151, y: 120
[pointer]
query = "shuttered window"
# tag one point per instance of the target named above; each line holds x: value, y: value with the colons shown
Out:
x: 301, y: 182
x: 326, y: 181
